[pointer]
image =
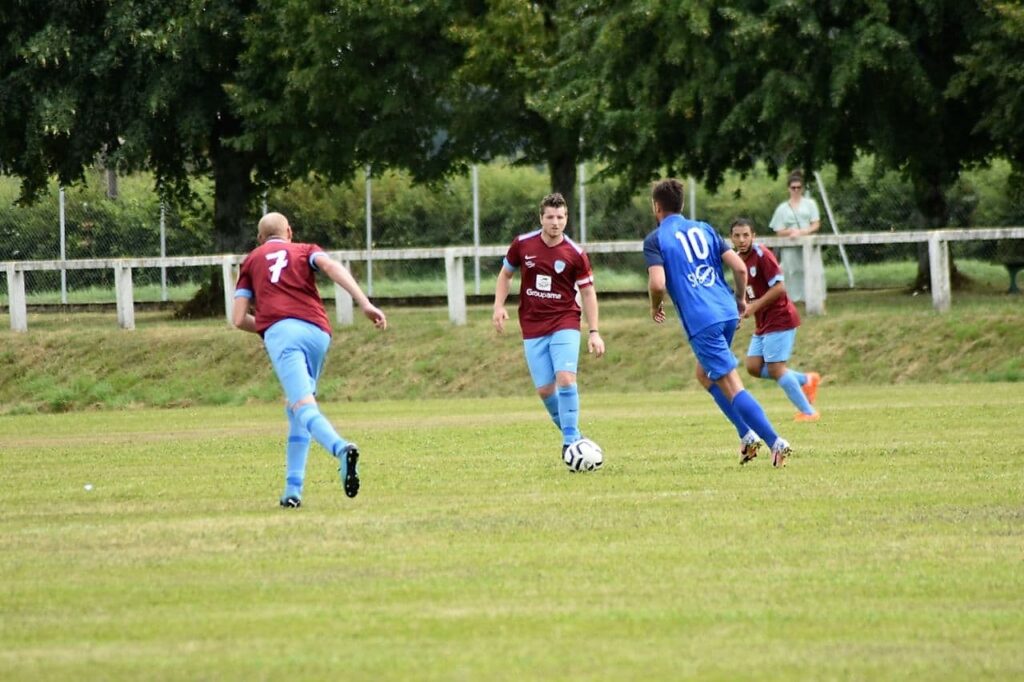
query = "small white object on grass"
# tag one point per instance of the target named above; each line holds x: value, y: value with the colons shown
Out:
x: 88, y: 487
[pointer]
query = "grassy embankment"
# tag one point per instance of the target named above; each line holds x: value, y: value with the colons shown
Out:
x: 75, y: 361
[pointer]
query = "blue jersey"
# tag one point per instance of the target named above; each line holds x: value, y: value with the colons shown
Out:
x: 691, y: 253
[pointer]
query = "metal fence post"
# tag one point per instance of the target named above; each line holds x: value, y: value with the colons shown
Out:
x: 476, y: 230
x: 63, y: 249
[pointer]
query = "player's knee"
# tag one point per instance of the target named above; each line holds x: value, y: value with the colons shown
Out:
x: 302, y: 402
x: 546, y: 392
x: 565, y: 378
x: 754, y: 367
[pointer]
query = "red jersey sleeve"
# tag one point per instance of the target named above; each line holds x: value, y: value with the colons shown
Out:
x: 585, y: 276
x: 512, y: 256
x: 769, y: 266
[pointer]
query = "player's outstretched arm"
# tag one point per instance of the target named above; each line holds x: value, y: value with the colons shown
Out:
x: 656, y: 291
x: 501, y: 289
x: 340, y: 274
x: 739, y: 276
x: 588, y: 297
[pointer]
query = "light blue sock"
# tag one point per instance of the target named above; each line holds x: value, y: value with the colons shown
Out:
x: 801, y: 378
x: 296, y: 452
x: 790, y: 383
x: 753, y: 414
x: 764, y: 371
x: 569, y: 413
x: 551, y: 403
x: 726, y: 407
x: 320, y: 429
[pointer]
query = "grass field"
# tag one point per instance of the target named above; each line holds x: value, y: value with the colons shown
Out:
x: 891, y: 547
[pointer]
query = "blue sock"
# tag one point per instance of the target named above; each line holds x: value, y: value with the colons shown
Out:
x: 726, y: 407
x: 551, y: 402
x: 791, y: 385
x: 764, y: 371
x: 753, y: 414
x: 295, y: 452
x: 569, y: 413
x: 320, y: 429
x: 801, y: 378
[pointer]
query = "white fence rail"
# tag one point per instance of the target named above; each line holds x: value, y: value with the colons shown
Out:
x: 453, y: 257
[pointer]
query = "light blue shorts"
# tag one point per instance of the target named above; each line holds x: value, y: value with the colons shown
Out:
x: 712, y: 346
x: 558, y: 352
x: 297, y: 350
x: 773, y: 346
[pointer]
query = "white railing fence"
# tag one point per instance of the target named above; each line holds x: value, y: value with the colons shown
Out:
x: 938, y: 248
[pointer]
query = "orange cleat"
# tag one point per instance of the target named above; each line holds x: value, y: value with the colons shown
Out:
x: 812, y: 417
x: 810, y: 389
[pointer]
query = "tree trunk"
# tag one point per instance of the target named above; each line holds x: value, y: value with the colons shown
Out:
x: 233, y: 231
x: 930, y: 197
x: 562, y: 169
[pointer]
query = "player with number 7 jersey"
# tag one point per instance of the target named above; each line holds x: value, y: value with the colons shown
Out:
x: 280, y: 275
x: 278, y: 281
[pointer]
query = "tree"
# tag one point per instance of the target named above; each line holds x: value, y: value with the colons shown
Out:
x: 330, y: 86
x: 701, y: 87
x: 142, y: 82
x: 992, y: 79
x: 509, y: 102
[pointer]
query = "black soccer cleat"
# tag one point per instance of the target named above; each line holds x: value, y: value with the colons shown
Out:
x: 291, y: 502
x: 347, y: 470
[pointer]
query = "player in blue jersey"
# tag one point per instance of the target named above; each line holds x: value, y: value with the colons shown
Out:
x: 684, y: 260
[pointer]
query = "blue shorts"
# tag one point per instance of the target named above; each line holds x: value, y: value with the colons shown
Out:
x: 773, y: 346
x: 558, y: 352
x: 297, y: 350
x: 712, y: 346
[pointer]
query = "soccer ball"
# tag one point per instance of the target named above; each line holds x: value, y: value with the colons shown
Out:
x: 583, y: 455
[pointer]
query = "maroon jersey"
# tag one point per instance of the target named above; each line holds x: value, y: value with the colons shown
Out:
x: 763, y: 272
x: 281, y: 277
x: 548, y: 277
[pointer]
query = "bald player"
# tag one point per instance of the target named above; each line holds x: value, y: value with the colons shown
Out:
x: 278, y: 281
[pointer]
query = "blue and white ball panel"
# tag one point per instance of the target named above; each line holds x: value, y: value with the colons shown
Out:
x: 558, y: 352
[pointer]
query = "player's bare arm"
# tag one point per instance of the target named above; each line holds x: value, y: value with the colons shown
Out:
x: 241, y: 317
x: 501, y: 289
x: 739, y: 275
x: 656, y: 291
x: 588, y: 297
x: 340, y: 275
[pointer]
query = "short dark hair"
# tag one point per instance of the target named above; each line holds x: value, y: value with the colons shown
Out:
x: 741, y: 221
x: 668, y: 194
x: 553, y: 200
